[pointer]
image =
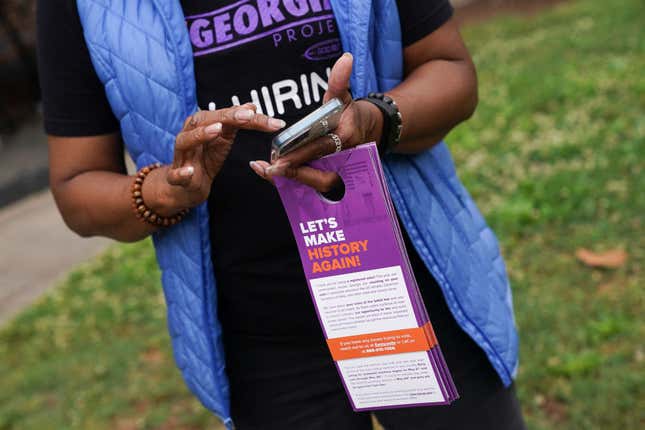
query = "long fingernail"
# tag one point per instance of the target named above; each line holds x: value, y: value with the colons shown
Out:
x: 256, y: 168
x: 214, y: 128
x: 244, y: 114
x: 186, y: 171
x: 278, y: 168
x: 276, y: 123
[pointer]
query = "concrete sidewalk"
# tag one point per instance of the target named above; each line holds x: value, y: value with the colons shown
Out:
x: 23, y: 161
x: 36, y: 251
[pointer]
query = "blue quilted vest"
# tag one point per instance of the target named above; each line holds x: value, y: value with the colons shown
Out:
x: 142, y: 54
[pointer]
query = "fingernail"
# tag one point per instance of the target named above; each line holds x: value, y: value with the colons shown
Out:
x: 276, y: 123
x: 278, y: 168
x: 186, y: 171
x: 256, y: 168
x: 348, y: 54
x: 214, y: 128
x: 244, y: 114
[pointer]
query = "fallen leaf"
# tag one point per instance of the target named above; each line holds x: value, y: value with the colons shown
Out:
x: 153, y: 355
x: 612, y: 259
x: 127, y: 424
x: 555, y: 409
x: 142, y: 407
x: 639, y: 355
x: 606, y: 288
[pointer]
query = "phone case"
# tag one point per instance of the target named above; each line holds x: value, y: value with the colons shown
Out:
x: 318, y: 123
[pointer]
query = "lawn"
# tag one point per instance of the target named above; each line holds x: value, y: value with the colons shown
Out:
x: 554, y: 157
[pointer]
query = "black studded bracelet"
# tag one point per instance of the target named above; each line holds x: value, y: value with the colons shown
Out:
x: 392, y: 121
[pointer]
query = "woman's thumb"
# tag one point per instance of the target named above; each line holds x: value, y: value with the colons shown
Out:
x: 338, y: 85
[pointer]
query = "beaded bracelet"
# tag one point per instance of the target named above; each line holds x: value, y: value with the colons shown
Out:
x: 143, y: 212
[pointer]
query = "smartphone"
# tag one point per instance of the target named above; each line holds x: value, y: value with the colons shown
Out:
x: 317, y: 124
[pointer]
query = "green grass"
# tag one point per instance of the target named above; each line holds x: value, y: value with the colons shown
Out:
x: 95, y: 354
x: 554, y: 157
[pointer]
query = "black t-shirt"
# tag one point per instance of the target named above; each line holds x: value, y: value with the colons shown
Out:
x: 277, y: 54
x: 74, y: 99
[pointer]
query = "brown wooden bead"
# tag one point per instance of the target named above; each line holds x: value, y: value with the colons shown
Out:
x: 139, y: 207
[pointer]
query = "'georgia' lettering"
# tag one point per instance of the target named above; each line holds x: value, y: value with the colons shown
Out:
x: 255, y: 19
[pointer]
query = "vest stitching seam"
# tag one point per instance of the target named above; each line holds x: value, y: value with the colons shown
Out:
x: 177, y: 52
x: 456, y: 191
x: 463, y: 208
x: 127, y: 21
x: 187, y: 319
x: 424, y: 250
x: 442, y: 204
x: 132, y: 67
x: 211, y: 343
x: 152, y: 124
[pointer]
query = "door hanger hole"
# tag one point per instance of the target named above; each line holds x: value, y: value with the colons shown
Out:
x: 336, y: 193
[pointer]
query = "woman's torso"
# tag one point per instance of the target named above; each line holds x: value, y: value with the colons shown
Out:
x: 276, y: 54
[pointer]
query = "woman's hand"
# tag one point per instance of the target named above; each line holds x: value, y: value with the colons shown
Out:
x: 359, y: 123
x: 438, y: 92
x: 201, y: 148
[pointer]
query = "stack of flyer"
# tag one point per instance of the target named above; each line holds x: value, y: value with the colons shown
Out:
x: 365, y: 294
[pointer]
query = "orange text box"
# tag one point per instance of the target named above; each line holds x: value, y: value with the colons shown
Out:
x: 382, y: 343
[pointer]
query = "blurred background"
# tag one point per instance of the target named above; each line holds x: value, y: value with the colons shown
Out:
x: 554, y: 156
